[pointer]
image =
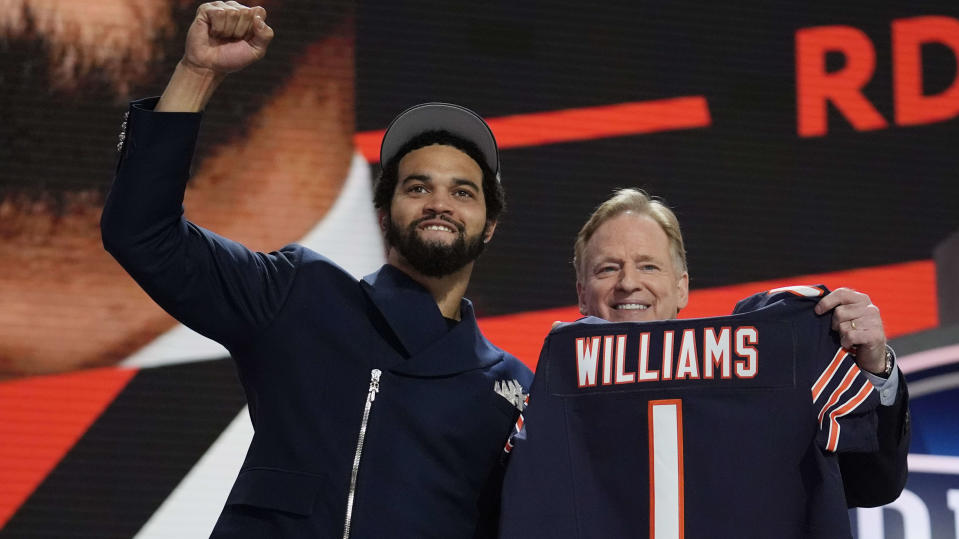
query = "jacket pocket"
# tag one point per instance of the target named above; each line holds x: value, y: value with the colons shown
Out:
x: 281, y: 490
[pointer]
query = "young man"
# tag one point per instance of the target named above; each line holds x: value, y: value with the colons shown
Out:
x: 379, y: 408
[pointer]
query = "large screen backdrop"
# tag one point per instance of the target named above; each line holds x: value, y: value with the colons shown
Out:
x: 796, y: 144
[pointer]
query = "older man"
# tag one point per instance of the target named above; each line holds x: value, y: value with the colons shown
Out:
x: 745, y: 432
x: 630, y: 265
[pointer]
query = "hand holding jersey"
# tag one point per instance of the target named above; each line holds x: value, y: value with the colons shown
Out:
x: 858, y: 322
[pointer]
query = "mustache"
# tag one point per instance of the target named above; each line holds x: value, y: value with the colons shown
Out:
x: 458, y: 226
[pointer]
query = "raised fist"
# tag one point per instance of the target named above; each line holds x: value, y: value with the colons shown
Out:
x: 226, y: 37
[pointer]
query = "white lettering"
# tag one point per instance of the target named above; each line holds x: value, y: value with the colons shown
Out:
x: 622, y: 377
x: 688, y: 367
x: 746, y: 336
x: 607, y: 360
x: 645, y: 375
x: 586, y: 355
x: 667, y: 355
x: 716, y: 352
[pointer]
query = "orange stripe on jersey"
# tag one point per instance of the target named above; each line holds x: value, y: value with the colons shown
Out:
x: 828, y: 373
x: 850, y: 405
x: 843, y: 386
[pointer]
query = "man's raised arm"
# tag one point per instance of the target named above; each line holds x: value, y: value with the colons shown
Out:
x: 212, y: 284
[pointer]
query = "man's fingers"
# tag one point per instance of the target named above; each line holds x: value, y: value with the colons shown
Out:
x: 864, y: 329
x: 262, y: 35
x: 244, y: 28
x: 848, y: 328
x: 232, y: 21
x: 217, y: 17
x: 257, y: 10
x: 841, y: 296
x: 204, y: 14
x: 856, y: 311
x: 859, y: 325
x: 236, y: 21
x: 827, y: 303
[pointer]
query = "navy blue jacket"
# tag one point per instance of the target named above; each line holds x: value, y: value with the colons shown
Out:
x: 307, y: 339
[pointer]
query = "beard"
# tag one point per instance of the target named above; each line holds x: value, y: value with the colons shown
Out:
x: 434, y: 259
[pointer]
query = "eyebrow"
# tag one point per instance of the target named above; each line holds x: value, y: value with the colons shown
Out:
x: 462, y: 181
x: 606, y: 260
x: 617, y: 260
x: 419, y: 177
x: 428, y: 179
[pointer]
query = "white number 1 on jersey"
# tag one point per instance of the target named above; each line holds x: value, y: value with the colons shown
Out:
x: 666, y: 469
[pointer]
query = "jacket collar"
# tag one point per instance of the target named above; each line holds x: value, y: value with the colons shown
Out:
x: 416, y: 320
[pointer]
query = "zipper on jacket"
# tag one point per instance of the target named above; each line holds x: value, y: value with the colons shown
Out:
x: 360, y: 440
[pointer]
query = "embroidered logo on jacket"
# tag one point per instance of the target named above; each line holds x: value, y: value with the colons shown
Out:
x: 512, y: 391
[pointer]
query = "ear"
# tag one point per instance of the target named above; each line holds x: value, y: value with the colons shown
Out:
x: 381, y: 217
x: 579, y: 298
x: 683, y: 285
x: 490, y: 228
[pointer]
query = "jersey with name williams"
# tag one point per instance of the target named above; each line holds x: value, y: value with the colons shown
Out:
x: 710, y: 427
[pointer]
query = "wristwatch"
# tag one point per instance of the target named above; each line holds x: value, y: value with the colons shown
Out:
x: 887, y: 369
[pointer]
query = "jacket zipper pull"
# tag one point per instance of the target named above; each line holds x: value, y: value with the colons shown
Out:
x: 374, y: 383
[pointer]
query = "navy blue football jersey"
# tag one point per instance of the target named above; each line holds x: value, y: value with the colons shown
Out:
x: 714, y: 427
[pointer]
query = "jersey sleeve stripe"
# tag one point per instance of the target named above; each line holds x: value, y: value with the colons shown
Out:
x: 828, y: 373
x: 517, y: 428
x: 860, y: 397
x: 802, y: 291
x: 845, y: 384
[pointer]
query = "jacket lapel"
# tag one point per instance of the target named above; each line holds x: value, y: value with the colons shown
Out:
x: 415, y: 319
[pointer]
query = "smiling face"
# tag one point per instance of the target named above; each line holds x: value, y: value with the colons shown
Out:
x: 628, y: 273
x: 437, y: 220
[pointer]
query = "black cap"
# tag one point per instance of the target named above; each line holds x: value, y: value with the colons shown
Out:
x: 458, y: 120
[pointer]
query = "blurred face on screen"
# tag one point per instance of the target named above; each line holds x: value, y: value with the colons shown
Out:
x: 68, y: 69
x: 111, y: 38
x: 628, y: 273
